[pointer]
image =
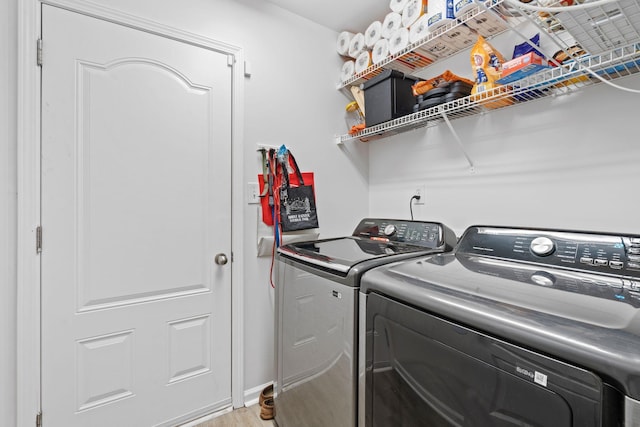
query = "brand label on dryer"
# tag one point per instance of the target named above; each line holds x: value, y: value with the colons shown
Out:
x: 540, y: 378
x: 537, y: 377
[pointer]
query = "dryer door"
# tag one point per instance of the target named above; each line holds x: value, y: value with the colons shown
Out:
x: 425, y: 371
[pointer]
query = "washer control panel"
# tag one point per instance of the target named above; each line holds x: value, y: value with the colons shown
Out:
x: 418, y: 233
x: 598, y: 253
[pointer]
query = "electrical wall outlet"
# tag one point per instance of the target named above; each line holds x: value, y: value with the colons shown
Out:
x: 421, y: 191
x: 253, y: 193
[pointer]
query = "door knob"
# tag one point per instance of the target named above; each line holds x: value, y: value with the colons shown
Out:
x: 221, y: 259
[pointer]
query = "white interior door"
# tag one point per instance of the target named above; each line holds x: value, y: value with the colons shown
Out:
x: 136, y: 314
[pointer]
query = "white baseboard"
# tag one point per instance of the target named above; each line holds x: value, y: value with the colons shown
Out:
x: 252, y: 396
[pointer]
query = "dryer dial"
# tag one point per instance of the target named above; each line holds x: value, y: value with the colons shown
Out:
x: 542, y: 246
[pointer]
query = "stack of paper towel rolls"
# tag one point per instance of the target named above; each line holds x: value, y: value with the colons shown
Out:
x: 353, y: 48
x: 406, y: 23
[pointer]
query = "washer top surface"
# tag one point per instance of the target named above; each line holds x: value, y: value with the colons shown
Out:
x: 373, y: 242
x: 575, y: 296
x: 345, y: 252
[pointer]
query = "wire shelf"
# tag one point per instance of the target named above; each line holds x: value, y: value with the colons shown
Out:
x: 574, y: 75
x: 608, y: 35
x: 602, y: 28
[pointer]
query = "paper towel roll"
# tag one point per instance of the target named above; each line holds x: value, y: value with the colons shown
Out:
x: 399, y: 40
x: 373, y: 34
x: 419, y: 30
x: 363, y: 61
x: 348, y: 70
x: 357, y: 45
x: 391, y: 22
x: 344, y: 39
x: 380, y: 51
x: 413, y: 10
x: 440, y: 13
x: 397, y: 5
x: 460, y: 7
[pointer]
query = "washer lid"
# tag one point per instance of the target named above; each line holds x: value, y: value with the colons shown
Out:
x: 341, y: 254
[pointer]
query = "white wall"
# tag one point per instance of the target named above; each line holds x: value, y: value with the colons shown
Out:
x: 8, y: 58
x: 567, y: 162
x: 290, y: 98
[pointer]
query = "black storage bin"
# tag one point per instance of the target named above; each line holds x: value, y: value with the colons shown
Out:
x: 388, y: 96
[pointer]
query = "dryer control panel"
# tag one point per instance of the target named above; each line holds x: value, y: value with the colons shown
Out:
x: 432, y: 235
x: 596, y: 253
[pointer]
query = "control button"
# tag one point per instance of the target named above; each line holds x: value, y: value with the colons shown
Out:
x: 390, y: 230
x: 586, y: 260
x: 599, y: 261
x: 542, y: 246
x: 634, y: 251
x: 635, y: 240
x: 633, y: 265
x: 616, y: 264
x: 634, y: 258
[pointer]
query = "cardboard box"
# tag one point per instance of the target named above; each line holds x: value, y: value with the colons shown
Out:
x: 521, y: 67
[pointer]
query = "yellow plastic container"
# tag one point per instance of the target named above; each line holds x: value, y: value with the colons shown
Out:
x: 353, y: 116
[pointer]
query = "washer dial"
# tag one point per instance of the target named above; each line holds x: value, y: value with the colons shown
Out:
x: 389, y: 230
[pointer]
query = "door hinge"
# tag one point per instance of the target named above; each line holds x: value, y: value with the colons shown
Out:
x: 39, y: 419
x: 39, y: 55
x: 38, y: 239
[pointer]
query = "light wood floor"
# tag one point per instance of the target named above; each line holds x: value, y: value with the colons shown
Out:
x: 241, y: 417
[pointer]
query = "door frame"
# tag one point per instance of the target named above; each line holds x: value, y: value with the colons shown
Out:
x: 28, y: 330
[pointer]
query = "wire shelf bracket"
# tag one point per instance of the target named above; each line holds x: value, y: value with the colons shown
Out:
x: 458, y: 140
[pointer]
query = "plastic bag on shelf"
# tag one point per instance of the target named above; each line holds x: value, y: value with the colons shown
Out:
x: 486, y: 63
